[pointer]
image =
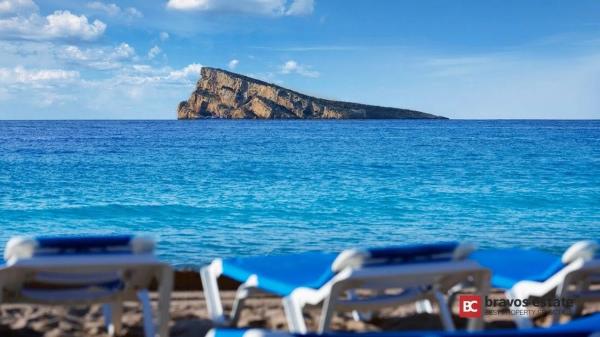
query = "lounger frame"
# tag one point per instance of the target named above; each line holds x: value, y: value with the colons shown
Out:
x: 572, y: 282
x: 135, y: 270
x: 441, y: 278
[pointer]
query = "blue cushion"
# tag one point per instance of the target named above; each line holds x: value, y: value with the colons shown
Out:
x: 83, y: 242
x: 512, y: 265
x: 281, y: 274
x: 88, y: 244
x: 414, y: 252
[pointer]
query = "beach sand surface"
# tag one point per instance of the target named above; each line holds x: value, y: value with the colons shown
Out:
x: 189, y: 318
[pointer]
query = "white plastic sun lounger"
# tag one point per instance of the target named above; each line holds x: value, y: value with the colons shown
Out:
x: 422, y: 272
x: 527, y: 273
x: 88, y: 270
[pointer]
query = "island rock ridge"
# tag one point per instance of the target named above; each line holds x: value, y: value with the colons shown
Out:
x: 223, y: 94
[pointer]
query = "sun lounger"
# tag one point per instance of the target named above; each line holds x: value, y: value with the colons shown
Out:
x: 423, y: 272
x: 531, y: 273
x: 87, y: 270
x: 582, y: 327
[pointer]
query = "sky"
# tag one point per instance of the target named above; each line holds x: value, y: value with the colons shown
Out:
x: 137, y: 59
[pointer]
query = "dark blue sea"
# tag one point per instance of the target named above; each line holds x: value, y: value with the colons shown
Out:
x: 214, y: 188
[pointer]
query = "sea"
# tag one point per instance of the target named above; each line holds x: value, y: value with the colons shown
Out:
x: 220, y: 188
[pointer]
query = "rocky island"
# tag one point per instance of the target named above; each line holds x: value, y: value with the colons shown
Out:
x: 223, y: 94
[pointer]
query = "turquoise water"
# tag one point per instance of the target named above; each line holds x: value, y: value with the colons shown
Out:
x: 222, y: 188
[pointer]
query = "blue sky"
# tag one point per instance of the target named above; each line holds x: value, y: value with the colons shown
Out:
x: 462, y: 59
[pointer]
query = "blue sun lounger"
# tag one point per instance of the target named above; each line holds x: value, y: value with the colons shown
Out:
x: 582, y: 327
x: 531, y: 273
x: 422, y: 272
x: 87, y: 270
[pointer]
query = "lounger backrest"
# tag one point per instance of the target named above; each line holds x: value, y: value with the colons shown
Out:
x: 585, y: 250
x: 107, y: 271
x: 27, y: 247
x: 356, y: 258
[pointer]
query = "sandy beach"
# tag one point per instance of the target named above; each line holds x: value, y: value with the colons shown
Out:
x: 189, y: 316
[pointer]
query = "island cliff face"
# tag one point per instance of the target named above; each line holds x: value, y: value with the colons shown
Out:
x: 223, y: 94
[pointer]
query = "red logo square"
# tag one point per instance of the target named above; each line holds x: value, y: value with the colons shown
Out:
x: 469, y: 306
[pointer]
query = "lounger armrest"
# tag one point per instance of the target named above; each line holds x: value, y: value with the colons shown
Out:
x: 20, y: 247
x: 350, y: 258
x: 583, y: 249
x: 142, y: 244
x: 463, y: 251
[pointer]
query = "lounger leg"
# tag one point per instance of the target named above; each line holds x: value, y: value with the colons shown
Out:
x: 445, y: 314
x: 359, y: 315
x: 455, y: 290
x: 424, y: 306
x: 328, y: 309
x: 482, y: 287
x: 144, y: 298
x: 559, y: 294
x: 113, y: 313
x: 107, y: 313
x: 578, y: 306
x: 562, y: 289
x: 209, y: 276
x: 522, y: 321
x: 238, y: 303
x: 293, y: 313
x: 165, y: 288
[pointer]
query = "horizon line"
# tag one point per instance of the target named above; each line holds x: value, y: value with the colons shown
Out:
x: 299, y: 119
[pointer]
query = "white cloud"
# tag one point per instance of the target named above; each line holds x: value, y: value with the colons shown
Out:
x: 114, y: 10
x: 164, y: 36
x: 301, y: 7
x: 65, y: 24
x: 50, y: 82
x: 233, y: 64
x: 292, y: 66
x: 123, y: 51
x: 261, y: 7
x: 192, y: 70
x: 74, y: 53
x: 142, y: 68
x: 110, y: 9
x: 37, y: 87
x: 102, y: 58
x: 17, y: 6
x: 58, y: 25
x: 154, y: 52
x: 23, y: 75
x: 143, y: 74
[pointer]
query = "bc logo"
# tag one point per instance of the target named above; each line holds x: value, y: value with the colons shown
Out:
x: 469, y: 306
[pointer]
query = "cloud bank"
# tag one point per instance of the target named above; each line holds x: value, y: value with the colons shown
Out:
x: 21, y: 20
